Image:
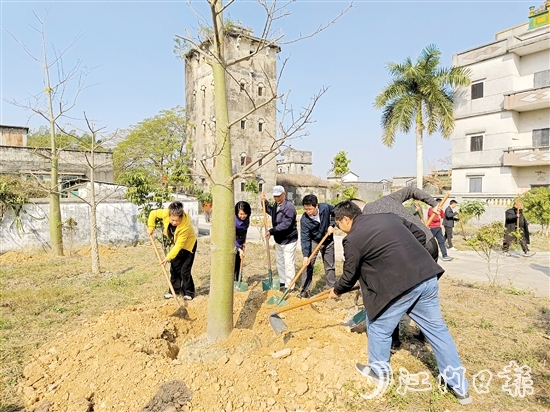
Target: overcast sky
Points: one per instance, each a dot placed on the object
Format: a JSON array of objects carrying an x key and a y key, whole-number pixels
[{"x": 129, "y": 45}]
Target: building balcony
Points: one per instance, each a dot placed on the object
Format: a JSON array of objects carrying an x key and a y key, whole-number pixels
[
  {"x": 526, "y": 156},
  {"x": 532, "y": 99}
]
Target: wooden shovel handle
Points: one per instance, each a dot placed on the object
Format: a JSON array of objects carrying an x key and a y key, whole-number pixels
[
  {"x": 310, "y": 256},
  {"x": 440, "y": 205},
  {"x": 320, "y": 296},
  {"x": 165, "y": 272}
]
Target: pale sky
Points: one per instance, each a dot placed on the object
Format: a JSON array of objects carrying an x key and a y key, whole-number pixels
[{"x": 129, "y": 45}]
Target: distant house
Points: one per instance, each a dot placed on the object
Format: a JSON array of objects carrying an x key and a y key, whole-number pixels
[
  {"x": 18, "y": 159},
  {"x": 345, "y": 178},
  {"x": 13, "y": 135},
  {"x": 295, "y": 162}
]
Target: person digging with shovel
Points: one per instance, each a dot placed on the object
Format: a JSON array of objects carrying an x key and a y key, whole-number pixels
[
  {"x": 397, "y": 275},
  {"x": 179, "y": 230},
  {"x": 315, "y": 222}
]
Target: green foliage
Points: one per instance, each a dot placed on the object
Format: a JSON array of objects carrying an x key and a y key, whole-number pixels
[
  {"x": 418, "y": 90},
  {"x": 14, "y": 194},
  {"x": 202, "y": 196},
  {"x": 350, "y": 192},
  {"x": 340, "y": 164},
  {"x": 251, "y": 186},
  {"x": 471, "y": 208},
  {"x": 158, "y": 149},
  {"x": 144, "y": 194},
  {"x": 486, "y": 240},
  {"x": 40, "y": 138},
  {"x": 536, "y": 206}
]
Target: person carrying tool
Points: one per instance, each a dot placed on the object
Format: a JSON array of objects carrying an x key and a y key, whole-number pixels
[
  {"x": 285, "y": 233},
  {"x": 314, "y": 223},
  {"x": 451, "y": 216},
  {"x": 397, "y": 275},
  {"x": 393, "y": 203},
  {"x": 514, "y": 220},
  {"x": 242, "y": 222},
  {"x": 435, "y": 228},
  {"x": 416, "y": 209},
  {"x": 179, "y": 230}
]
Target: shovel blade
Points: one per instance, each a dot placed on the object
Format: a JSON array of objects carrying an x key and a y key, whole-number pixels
[
  {"x": 271, "y": 284},
  {"x": 358, "y": 323},
  {"x": 276, "y": 300},
  {"x": 240, "y": 286},
  {"x": 277, "y": 323}
]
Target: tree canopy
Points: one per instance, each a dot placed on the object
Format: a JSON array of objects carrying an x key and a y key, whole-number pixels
[
  {"x": 421, "y": 94},
  {"x": 536, "y": 204},
  {"x": 157, "y": 147},
  {"x": 340, "y": 164}
]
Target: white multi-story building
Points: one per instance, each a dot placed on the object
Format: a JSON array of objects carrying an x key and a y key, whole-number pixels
[{"x": 502, "y": 120}]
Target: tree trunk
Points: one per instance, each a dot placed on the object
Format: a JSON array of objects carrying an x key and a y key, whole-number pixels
[
  {"x": 220, "y": 303},
  {"x": 419, "y": 150},
  {"x": 93, "y": 214},
  {"x": 56, "y": 225}
]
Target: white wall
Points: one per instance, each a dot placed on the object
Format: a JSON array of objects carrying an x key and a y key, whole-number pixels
[{"x": 116, "y": 221}]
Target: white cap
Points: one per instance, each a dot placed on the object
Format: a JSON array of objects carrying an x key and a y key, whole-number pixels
[{"x": 278, "y": 190}]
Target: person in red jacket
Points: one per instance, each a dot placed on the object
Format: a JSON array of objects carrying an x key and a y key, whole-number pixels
[{"x": 435, "y": 228}]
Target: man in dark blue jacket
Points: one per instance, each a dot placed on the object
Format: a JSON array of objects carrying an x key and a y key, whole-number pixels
[
  {"x": 397, "y": 275},
  {"x": 314, "y": 224},
  {"x": 285, "y": 233}
]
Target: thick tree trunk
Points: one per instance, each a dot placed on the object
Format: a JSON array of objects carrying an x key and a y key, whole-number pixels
[{"x": 220, "y": 304}]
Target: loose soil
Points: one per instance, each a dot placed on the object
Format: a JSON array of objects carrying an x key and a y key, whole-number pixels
[{"x": 152, "y": 356}]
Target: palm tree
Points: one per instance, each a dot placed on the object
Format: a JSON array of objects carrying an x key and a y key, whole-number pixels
[{"x": 420, "y": 93}]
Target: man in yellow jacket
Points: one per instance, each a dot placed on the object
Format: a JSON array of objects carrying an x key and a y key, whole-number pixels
[{"x": 178, "y": 228}]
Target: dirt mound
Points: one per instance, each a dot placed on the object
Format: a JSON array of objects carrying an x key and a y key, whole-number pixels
[{"x": 150, "y": 358}]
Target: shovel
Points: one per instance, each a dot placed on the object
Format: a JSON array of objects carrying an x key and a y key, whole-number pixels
[
  {"x": 240, "y": 286},
  {"x": 176, "y": 301},
  {"x": 269, "y": 284},
  {"x": 277, "y": 323},
  {"x": 358, "y": 323},
  {"x": 280, "y": 301}
]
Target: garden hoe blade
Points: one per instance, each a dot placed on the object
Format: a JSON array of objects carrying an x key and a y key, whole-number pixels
[
  {"x": 358, "y": 322},
  {"x": 277, "y": 323}
]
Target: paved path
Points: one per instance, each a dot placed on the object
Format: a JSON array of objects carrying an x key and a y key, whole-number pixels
[{"x": 531, "y": 274}]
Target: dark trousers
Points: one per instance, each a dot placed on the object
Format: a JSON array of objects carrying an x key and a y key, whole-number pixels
[
  {"x": 449, "y": 236},
  {"x": 438, "y": 234},
  {"x": 327, "y": 253},
  {"x": 180, "y": 272},
  {"x": 509, "y": 240},
  {"x": 237, "y": 266}
]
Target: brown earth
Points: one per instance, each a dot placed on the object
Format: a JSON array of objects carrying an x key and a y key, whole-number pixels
[{"x": 154, "y": 357}]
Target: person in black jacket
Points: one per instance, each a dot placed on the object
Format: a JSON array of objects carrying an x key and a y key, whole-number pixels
[
  {"x": 451, "y": 216},
  {"x": 314, "y": 224},
  {"x": 397, "y": 275},
  {"x": 514, "y": 220},
  {"x": 285, "y": 233}
]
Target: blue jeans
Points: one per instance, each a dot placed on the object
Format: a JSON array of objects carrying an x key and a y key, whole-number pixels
[
  {"x": 438, "y": 234},
  {"x": 421, "y": 303}
]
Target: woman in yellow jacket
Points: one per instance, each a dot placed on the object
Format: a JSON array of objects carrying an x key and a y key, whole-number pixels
[{"x": 177, "y": 226}]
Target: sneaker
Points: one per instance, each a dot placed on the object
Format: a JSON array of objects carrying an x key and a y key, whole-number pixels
[
  {"x": 368, "y": 373},
  {"x": 465, "y": 399},
  {"x": 187, "y": 297},
  {"x": 447, "y": 258},
  {"x": 168, "y": 296},
  {"x": 453, "y": 248},
  {"x": 507, "y": 254},
  {"x": 527, "y": 254}
]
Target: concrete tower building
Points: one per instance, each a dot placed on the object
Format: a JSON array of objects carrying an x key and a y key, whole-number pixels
[
  {"x": 500, "y": 141},
  {"x": 249, "y": 84}
]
